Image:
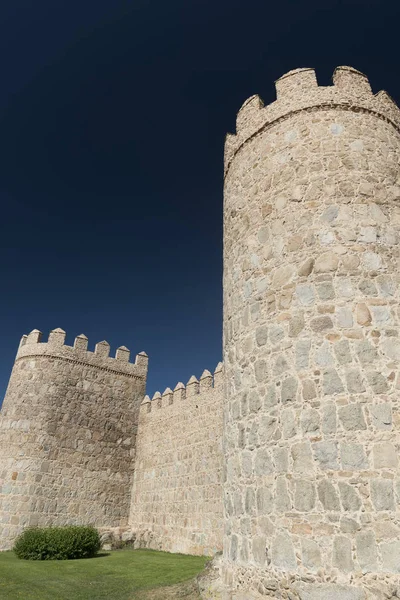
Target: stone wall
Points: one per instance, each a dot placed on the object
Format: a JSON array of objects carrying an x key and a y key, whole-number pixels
[
  {"x": 312, "y": 350},
  {"x": 67, "y": 435},
  {"x": 177, "y": 492}
]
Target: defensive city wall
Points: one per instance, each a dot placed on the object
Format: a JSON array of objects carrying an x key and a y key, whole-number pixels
[
  {"x": 177, "y": 492},
  {"x": 72, "y": 428},
  {"x": 288, "y": 456}
]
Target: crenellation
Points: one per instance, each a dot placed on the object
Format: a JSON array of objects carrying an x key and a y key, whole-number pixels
[
  {"x": 23, "y": 341},
  {"x": 122, "y": 353},
  {"x": 248, "y": 112},
  {"x": 146, "y": 404},
  {"x": 102, "y": 349},
  {"x": 34, "y": 337},
  {"x": 78, "y": 353},
  {"x": 56, "y": 337},
  {"x": 157, "y": 400},
  {"x": 179, "y": 392},
  {"x": 295, "y": 82},
  {"x": 219, "y": 375},
  {"x": 167, "y": 397},
  {"x": 351, "y": 81},
  {"x": 192, "y": 387},
  {"x": 81, "y": 343},
  {"x": 142, "y": 360},
  {"x": 206, "y": 381}
]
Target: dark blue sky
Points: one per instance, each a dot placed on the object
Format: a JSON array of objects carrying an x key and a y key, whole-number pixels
[{"x": 112, "y": 122}]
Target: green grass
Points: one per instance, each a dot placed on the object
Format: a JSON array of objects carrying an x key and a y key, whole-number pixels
[{"x": 111, "y": 576}]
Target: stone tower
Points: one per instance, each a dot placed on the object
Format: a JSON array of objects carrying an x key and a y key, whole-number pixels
[
  {"x": 67, "y": 435},
  {"x": 312, "y": 343}
]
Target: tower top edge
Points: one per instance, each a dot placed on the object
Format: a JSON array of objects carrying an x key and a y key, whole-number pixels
[
  {"x": 33, "y": 345},
  {"x": 298, "y": 91}
]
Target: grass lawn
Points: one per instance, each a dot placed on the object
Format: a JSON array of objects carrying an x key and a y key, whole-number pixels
[{"x": 112, "y": 575}]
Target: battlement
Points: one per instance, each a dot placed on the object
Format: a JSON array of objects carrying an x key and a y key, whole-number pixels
[
  {"x": 32, "y": 345},
  {"x": 194, "y": 387},
  {"x": 297, "y": 91}
]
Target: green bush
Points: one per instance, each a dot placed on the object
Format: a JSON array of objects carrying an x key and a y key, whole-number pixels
[{"x": 57, "y": 543}]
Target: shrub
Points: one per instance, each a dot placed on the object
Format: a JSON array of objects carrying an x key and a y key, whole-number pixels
[{"x": 57, "y": 543}]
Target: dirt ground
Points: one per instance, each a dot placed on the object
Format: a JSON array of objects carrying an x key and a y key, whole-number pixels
[{"x": 180, "y": 591}]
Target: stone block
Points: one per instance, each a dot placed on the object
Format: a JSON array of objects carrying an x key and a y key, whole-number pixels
[
  {"x": 309, "y": 421},
  {"x": 328, "y": 495},
  {"x": 363, "y": 314},
  {"x": 276, "y": 333},
  {"x": 391, "y": 347},
  {"x": 342, "y": 352},
  {"x": 329, "y": 418},
  {"x": 289, "y": 390},
  {"x": 323, "y": 356},
  {"x": 281, "y": 365},
  {"x": 326, "y": 262},
  {"x": 259, "y": 544},
  {"x": 325, "y": 291},
  {"x": 264, "y": 500},
  {"x": 296, "y": 325},
  {"x": 306, "y": 268},
  {"x": 378, "y": 382},
  {"x": 367, "y": 554},
  {"x": 354, "y": 381},
  {"x": 390, "y": 553},
  {"x": 254, "y": 401},
  {"x": 302, "y": 354},
  {"x": 289, "y": 427},
  {"x": 382, "y": 494},
  {"x": 260, "y": 369},
  {"x": 302, "y": 458},
  {"x": 263, "y": 463},
  {"x": 381, "y": 415},
  {"x": 305, "y": 295},
  {"x": 344, "y": 317},
  {"x": 268, "y": 428},
  {"x": 352, "y": 417},
  {"x": 233, "y": 547},
  {"x": 311, "y": 554},
  {"x": 349, "y": 497},
  {"x": 321, "y": 324},
  {"x": 261, "y": 335},
  {"x": 385, "y": 456},
  {"x": 349, "y": 525},
  {"x": 282, "y": 552},
  {"x": 281, "y": 459},
  {"x": 270, "y": 398},
  {"x": 332, "y": 383},
  {"x": 309, "y": 391},
  {"x": 341, "y": 554},
  {"x": 282, "y": 499},
  {"x": 326, "y": 453},
  {"x": 304, "y": 495},
  {"x": 353, "y": 456},
  {"x": 366, "y": 352}
]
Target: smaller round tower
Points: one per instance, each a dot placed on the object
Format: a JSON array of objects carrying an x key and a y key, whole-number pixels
[{"x": 68, "y": 427}]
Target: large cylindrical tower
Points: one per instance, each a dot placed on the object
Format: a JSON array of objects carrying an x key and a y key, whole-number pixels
[{"x": 312, "y": 343}]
